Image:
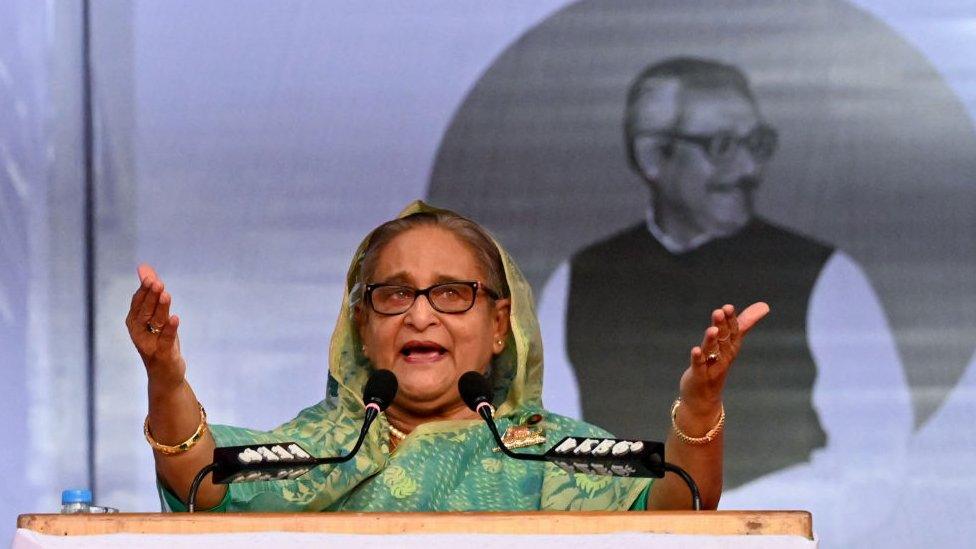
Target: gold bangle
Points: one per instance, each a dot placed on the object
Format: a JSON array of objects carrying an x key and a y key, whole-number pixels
[
  {"x": 183, "y": 446},
  {"x": 695, "y": 441}
]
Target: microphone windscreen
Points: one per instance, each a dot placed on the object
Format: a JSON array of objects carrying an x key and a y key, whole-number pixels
[
  {"x": 474, "y": 389},
  {"x": 380, "y": 388}
]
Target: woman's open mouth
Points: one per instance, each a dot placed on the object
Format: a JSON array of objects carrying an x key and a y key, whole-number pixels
[{"x": 422, "y": 351}]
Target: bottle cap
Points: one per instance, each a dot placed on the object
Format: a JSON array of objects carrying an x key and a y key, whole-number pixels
[{"x": 76, "y": 496}]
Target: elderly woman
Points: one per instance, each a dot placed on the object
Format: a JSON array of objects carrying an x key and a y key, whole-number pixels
[{"x": 430, "y": 296}]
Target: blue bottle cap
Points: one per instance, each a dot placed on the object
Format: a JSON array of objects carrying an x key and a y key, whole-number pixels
[{"x": 76, "y": 496}]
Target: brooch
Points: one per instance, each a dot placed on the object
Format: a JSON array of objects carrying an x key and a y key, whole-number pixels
[{"x": 522, "y": 436}]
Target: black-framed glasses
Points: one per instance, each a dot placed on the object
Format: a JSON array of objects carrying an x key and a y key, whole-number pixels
[
  {"x": 722, "y": 147},
  {"x": 447, "y": 297}
]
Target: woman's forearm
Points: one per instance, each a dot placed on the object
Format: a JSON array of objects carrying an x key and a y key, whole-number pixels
[
  {"x": 702, "y": 461},
  {"x": 174, "y": 415},
  {"x": 700, "y": 410}
]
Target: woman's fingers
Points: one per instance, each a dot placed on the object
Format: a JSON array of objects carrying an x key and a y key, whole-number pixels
[
  {"x": 708, "y": 354},
  {"x": 154, "y": 330},
  {"x": 752, "y": 315},
  {"x": 148, "y": 306},
  {"x": 709, "y": 342},
  {"x": 729, "y": 331},
  {"x": 710, "y": 361},
  {"x": 144, "y": 270},
  {"x": 137, "y": 299},
  {"x": 716, "y": 336},
  {"x": 167, "y": 338},
  {"x": 718, "y": 346},
  {"x": 160, "y": 316},
  {"x": 153, "y": 289},
  {"x": 728, "y": 338},
  {"x": 143, "y": 307},
  {"x": 732, "y": 321},
  {"x": 149, "y": 282},
  {"x": 166, "y": 365},
  {"x": 698, "y": 362},
  {"x": 720, "y": 319}
]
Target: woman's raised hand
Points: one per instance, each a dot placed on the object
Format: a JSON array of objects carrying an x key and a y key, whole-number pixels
[
  {"x": 174, "y": 412},
  {"x": 153, "y": 329},
  {"x": 696, "y": 442},
  {"x": 703, "y": 381}
]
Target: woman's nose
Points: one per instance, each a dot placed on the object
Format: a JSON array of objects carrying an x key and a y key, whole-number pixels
[{"x": 421, "y": 314}]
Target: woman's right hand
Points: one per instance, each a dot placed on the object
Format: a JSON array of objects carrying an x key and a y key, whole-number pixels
[
  {"x": 159, "y": 346},
  {"x": 174, "y": 412}
]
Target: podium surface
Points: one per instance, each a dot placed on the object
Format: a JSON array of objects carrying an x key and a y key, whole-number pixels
[
  {"x": 783, "y": 523},
  {"x": 536, "y": 530}
]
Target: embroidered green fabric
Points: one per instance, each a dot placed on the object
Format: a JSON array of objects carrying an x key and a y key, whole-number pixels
[{"x": 440, "y": 466}]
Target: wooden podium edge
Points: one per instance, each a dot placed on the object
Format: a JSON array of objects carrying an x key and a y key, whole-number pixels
[{"x": 783, "y": 523}]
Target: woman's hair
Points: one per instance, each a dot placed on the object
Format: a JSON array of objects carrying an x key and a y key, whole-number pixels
[{"x": 477, "y": 238}]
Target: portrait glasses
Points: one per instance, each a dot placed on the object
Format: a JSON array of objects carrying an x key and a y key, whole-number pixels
[
  {"x": 722, "y": 147},
  {"x": 447, "y": 297}
]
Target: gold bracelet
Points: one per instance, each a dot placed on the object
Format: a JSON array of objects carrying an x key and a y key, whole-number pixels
[
  {"x": 183, "y": 446},
  {"x": 695, "y": 441}
]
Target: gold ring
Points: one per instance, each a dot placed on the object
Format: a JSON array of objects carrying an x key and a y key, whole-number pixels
[
  {"x": 711, "y": 359},
  {"x": 153, "y": 329}
]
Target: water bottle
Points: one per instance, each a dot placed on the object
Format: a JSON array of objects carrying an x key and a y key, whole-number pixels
[
  {"x": 80, "y": 501},
  {"x": 76, "y": 501}
]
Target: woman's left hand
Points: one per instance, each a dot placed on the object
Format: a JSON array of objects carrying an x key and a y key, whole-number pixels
[{"x": 703, "y": 381}]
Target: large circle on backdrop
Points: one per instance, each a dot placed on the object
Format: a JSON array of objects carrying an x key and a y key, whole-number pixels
[{"x": 876, "y": 156}]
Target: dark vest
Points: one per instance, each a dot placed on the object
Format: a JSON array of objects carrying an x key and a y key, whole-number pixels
[{"x": 635, "y": 311}]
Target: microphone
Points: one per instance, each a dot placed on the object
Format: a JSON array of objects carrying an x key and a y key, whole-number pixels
[
  {"x": 381, "y": 388},
  {"x": 476, "y": 393},
  {"x": 589, "y": 455},
  {"x": 289, "y": 460}
]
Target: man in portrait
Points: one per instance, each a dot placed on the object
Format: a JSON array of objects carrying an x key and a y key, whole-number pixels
[{"x": 616, "y": 315}]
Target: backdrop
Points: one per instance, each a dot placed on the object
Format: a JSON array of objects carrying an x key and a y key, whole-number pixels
[{"x": 244, "y": 149}]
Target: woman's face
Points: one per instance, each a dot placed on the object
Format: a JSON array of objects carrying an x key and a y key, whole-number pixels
[{"x": 426, "y": 349}]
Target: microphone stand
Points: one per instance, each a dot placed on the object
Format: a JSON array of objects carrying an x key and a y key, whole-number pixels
[
  {"x": 486, "y": 411},
  {"x": 195, "y": 486},
  {"x": 692, "y": 485},
  {"x": 372, "y": 410}
]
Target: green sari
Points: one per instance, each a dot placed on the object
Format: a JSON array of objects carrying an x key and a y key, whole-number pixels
[{"x": 440, "y": 466}]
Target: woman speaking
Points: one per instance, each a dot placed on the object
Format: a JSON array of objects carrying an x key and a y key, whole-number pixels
[{"x": 429, "y": 297}]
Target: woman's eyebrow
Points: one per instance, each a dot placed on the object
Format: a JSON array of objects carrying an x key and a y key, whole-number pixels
[
  {"x": 404, "y": 278},
  {"x": 442, "y": 278},
  {"x": 400, "y": 278}
]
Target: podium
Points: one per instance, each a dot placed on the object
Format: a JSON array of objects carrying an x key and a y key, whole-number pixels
[{"x": 536, "y": 530}]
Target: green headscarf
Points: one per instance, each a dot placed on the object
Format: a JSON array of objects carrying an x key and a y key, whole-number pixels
[{"x": 442, "y": 465}]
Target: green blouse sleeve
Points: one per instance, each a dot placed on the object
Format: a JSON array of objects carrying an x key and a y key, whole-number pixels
[
  {"x": 315, "y": 430},
  {"x": 172, "y": 504},
  {"x": 640, "y": 504}
]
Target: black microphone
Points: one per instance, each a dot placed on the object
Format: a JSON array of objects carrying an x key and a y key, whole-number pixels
[
  {"x": 381, "y": 388},
  {"x": 476, "y": 392},
  {"x": 589, "y": 455},
  {"x": 289, "y": 460}
]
